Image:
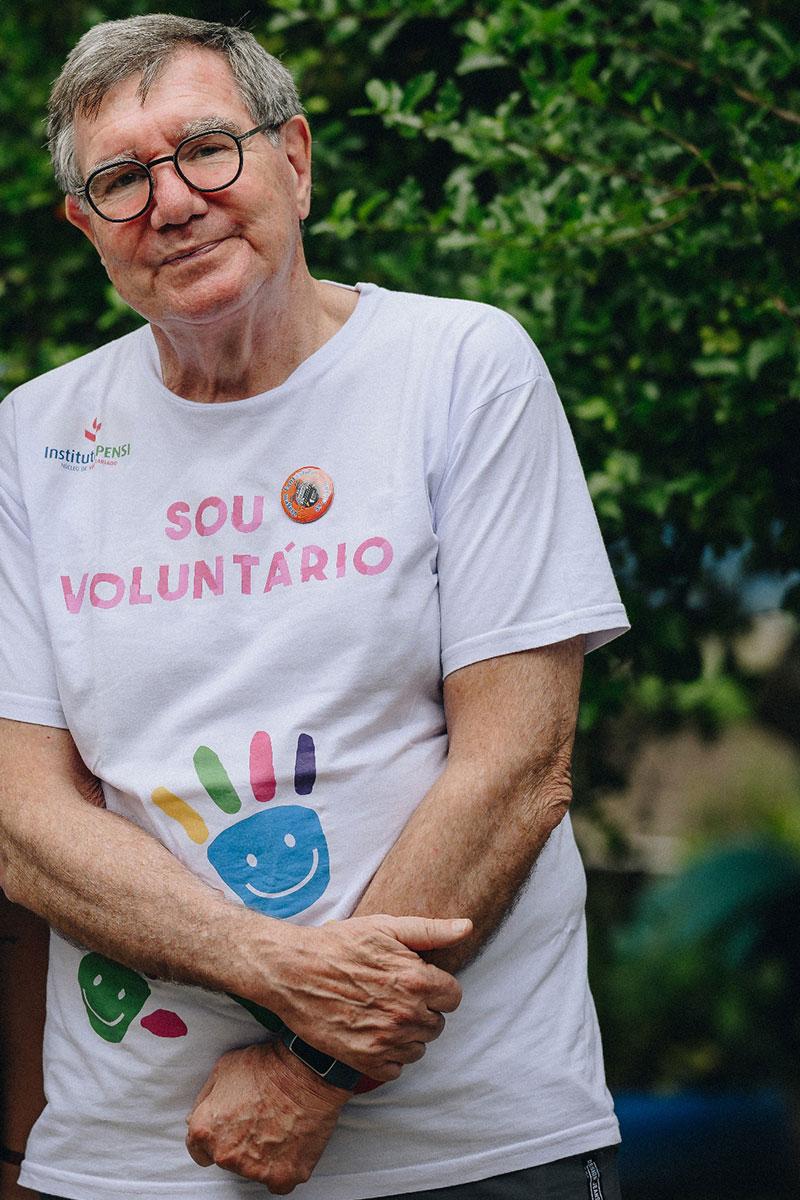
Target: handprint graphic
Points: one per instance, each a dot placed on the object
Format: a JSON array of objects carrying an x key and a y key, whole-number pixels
[{"x": 276, "y": 860}]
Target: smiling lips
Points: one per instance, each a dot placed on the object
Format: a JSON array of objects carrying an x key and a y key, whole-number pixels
[{"x": 191, "y": 253}]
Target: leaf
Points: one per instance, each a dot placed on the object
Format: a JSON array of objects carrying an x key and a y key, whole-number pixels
[
  {"x": 378, "y": 93},
  {"x": 762, "y": 351},
  {"x": 417, "y": 89},
  {"x": 666, "y": 12},
  {"x": 480, "y": 60},
  {"x": 597, "y": 408},
  {"x": 380, "y": 40},
  {"x": 774, "y": 33},
  {"x": 717, "y": 366},
  {"x": 477, "y": 32},
  {"x": 343, "y": 203}
]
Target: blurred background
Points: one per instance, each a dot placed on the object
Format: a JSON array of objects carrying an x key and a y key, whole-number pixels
[{"x": 623, "y": 178}]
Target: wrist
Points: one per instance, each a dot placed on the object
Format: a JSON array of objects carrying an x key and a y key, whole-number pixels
[
  {"x": 260, "y": 950},
  {"x": 324, "y": 1066},
  {"x": 305, "y": 1084}
]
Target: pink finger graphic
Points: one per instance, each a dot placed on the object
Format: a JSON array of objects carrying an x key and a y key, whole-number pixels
[{"x": 262, "y": 770}]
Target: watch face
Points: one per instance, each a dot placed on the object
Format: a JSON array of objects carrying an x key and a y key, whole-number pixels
[{"x": 315, "y": 1059}]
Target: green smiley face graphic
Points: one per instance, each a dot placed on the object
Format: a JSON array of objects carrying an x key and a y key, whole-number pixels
[{"x": 112, "y": 994}]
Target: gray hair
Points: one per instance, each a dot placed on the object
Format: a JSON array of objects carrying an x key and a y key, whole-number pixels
[{"x": 115, "y": 50}]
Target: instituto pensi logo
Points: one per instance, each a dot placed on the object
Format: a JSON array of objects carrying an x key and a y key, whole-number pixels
[{"x": 97, "y": 453}]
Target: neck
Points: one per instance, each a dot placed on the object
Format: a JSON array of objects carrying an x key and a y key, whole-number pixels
[{"x": 252, "y": 349}]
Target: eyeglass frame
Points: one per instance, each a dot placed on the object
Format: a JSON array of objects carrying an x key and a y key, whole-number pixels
[{"x": 83, "y": 193}]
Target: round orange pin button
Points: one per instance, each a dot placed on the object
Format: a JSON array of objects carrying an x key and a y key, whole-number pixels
[{"x": 307, "y": 494}]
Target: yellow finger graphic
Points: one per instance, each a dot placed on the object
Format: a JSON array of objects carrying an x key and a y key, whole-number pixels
[{"x": 181, "y": 812}]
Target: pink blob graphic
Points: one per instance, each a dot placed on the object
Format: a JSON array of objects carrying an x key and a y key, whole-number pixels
[
  {"x": 163, "y": 1023},
  {"x": 262, "y": 771}
]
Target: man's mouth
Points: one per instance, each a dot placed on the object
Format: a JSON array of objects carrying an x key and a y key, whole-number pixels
[{"x": 190, "y": 253}]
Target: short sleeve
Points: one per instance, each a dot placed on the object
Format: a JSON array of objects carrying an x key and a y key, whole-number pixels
[
  {"x": 28, "y": 686},
  {"x": 521, "y": 561}
]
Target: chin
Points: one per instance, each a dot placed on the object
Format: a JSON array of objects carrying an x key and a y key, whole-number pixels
[{"x": 202, "y": 307}]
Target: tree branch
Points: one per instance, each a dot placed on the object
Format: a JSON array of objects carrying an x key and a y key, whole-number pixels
[
  {"x": 722, "y": 185},
  {"x": 671, "y": 136},
  {"x": 610, "y": 169},
  {"x": 685, "y": 64},
  {"x": 629, "y": 235}
]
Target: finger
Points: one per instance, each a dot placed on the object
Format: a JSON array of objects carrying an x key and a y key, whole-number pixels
[
  {"x": 198, "y": 1152},
  {"x": 384, "y": 1072},
  {"x": 205, "y": 1091},
  {"x": 425, "y": 1028},
  {"x": 409, "y": 1052},
  {"x": 440, "y": 991},
  {"x": 418, "y": 1049},
  {"x": 434, "y": 1028},
  {"x": 429, "y": 933}
]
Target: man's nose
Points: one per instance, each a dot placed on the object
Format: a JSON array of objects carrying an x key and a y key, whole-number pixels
[{"x": 174, "y": 202}]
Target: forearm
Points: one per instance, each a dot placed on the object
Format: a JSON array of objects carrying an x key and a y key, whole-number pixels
[
  {"x": 355, "y": 987},
  {"x": 467, "y": 850},
  {"x": 471, "y": 844},
  {"x": 110, "y": 886}
]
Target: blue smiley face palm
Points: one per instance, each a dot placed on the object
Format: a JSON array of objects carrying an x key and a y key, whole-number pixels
[{"x": 276, "y": 860}]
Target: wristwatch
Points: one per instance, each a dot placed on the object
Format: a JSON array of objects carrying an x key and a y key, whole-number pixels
[{"x": 329, "y": 1069}]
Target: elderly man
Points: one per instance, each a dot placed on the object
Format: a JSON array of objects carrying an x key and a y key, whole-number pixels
[{"x": 297, "y": 583}]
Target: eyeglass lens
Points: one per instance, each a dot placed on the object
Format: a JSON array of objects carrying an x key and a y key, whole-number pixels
[{"x": 208, "y": 162}]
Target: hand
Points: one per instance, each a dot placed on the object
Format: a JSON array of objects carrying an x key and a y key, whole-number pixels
[
  {"x": 265, "y": 1116},
  {"x": 355, "y": 989}
]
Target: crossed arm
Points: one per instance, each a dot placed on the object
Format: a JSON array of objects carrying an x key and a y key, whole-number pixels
[
  {"x": 466, "y": 851},
  {"x": 355, "y": 986},
  {"x": 468, "y": 848},
  {"x": 473, "y": 840}
]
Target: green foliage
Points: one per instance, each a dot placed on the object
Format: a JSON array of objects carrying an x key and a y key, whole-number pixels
[
  {"x": 623, "y": 178},
  {"x": 701, "y": 986}
]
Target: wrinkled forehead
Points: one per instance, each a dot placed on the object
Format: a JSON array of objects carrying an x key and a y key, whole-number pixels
[{"x": 192, "y": 87}]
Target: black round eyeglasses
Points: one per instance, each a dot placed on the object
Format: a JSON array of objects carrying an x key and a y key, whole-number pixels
[{"x": 207, "y": 162}]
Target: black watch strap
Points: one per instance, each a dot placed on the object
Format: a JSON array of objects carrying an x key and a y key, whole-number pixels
[{"x": 329, "y": 1069}]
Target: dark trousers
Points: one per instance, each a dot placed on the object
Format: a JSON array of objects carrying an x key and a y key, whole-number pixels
[{"x": 589, "y": 1176}]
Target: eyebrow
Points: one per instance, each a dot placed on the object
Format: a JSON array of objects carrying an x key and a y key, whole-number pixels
[
  {"x": 204, "y": 124},
  {"x": 188, "y": 129}
]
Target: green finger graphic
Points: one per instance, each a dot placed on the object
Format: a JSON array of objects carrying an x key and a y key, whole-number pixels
[{"x": 214, "y": 779}]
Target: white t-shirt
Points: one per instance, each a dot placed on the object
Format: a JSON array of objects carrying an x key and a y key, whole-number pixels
[{"x": 263, "y": 695}]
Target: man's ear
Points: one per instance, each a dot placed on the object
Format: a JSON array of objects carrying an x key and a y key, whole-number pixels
[
  {"x": 296, "y": 138},
  {"x": 79, "y": 217}
]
